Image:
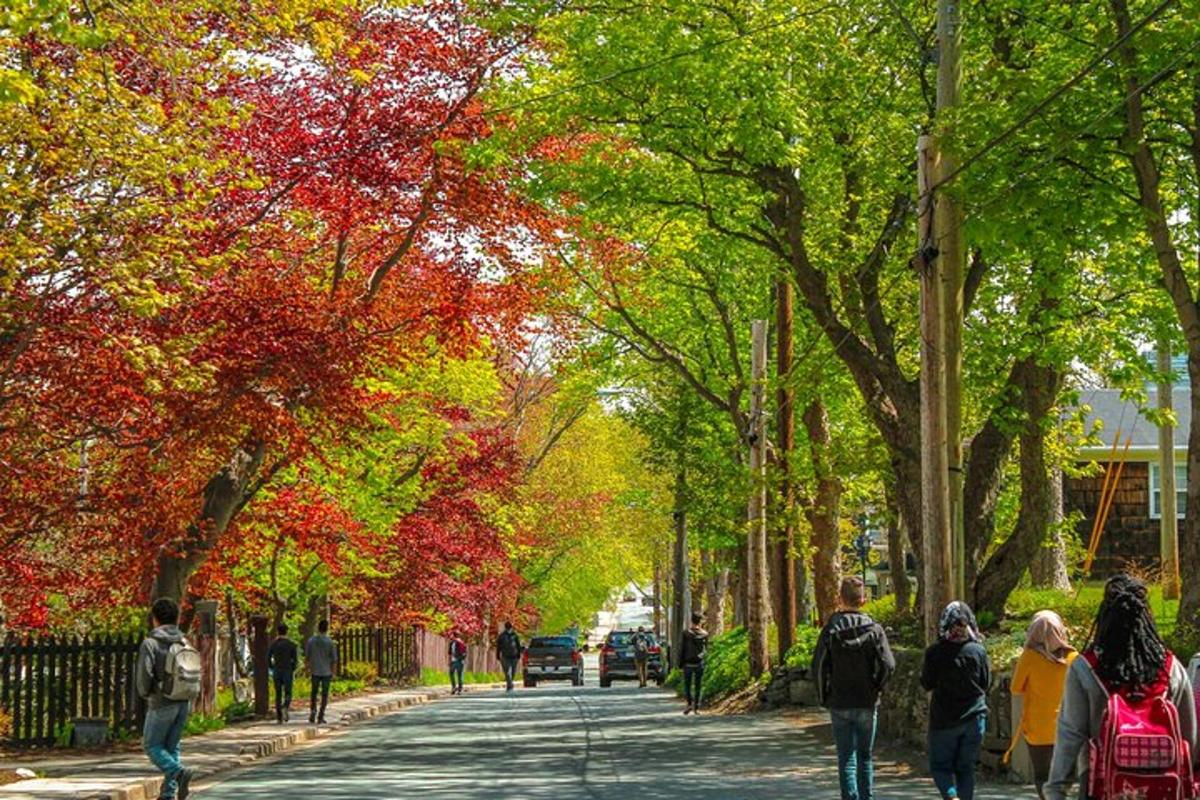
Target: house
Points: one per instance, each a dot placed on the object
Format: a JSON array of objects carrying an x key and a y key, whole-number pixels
[{"x": 1132, "y": 532}]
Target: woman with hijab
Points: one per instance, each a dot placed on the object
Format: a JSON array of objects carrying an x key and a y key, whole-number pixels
[
  {"x": 957, "y": 672},
  {"x": 1038, "y": 678},
  {"x": 1124, "y": 655}
]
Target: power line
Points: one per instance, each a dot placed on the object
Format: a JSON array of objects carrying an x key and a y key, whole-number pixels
[{"x": 1049, "y": 99}]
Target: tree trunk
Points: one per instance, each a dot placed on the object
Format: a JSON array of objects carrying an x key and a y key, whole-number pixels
[
  {"x": 224, "y": 496},
  {"x": 823, "y": 513},
  {"x": 716, "y": 589},
  {"x": 737, "y": 590},
  {"x": 803, "y": 580},
  {"x": 1049, "y": 569},
  {"x": 785, "y": 436},
  {"x": 313, "y": 612},
  {"x": 1003, "y": 571},
  {"x": 896, "y": 554},
  {"x": 1155, "y": 216}
]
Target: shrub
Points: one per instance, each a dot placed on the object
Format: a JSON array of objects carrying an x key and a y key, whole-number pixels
[
  {"x": 235, "y": 712},
  {"x": 203, "y": 723},
  {"x": 801, "y": 652},
  {"x": 363, "y": 671},
  {"x": 434, "y": 677},
  {"x": 727, "y": 665}
]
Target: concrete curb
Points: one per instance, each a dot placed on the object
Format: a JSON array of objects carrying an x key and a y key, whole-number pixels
[{"x": 247, "y": 753}]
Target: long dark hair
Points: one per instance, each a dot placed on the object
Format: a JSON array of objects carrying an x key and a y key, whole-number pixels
[{"x": 1128, "y": 648}]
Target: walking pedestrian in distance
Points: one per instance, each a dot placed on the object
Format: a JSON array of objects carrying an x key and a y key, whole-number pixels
[
  {"x": 508, "y": 648},
  {"x": 641, "y": 654},
  {"x": 852, "y": 663},
  {"x": 321, "y": 654},
  {"x": 1125, "y": 664},
  {"x": 284, "y": 657},
  {"x": 458, "y": 661},
  {"x": 692, "y": 652},
  {"x": 1038, "y": 679},
  {"x": 957, "y": 672},
  {"x": 168, "y": 679}
]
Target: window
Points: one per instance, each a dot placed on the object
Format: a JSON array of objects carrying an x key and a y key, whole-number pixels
[{"x": 1180, "y": 491}]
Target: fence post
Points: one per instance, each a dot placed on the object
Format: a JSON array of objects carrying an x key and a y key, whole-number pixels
[
  {"x": 206, "y": 644},
  {"x": 379, "y": 661},
  {"x": 262, "y": 698}
]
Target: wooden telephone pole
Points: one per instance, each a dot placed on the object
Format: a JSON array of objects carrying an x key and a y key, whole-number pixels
[
  {"x": 941, "y": 252},
  {"x": 785, "y": 435},
  {"x": 756, "y": 545},
  {"x": 951, "y": 248},
  {"x": 937, "y": 580}
]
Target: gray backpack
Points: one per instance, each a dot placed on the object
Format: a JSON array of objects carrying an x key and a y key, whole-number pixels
[{"x": 179, "y": 671}]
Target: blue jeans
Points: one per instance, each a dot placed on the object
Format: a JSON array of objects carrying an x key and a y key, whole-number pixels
[
  {"x": 160, "y": 739},
  {"x": 510, "y": 670},
  {"x": 456, "y": 673},
  {"x": 854, "y": 733},
  {"x": 953, "y": 753},
  {"x": 693, "y": 675}
]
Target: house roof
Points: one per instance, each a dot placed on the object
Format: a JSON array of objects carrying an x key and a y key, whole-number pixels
[{"x": 1106, "y": 407}]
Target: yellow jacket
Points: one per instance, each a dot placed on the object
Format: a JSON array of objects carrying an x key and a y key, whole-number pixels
[{"x": 1040, "y": 682}]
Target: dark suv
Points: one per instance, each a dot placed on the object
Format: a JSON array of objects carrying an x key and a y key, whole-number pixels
[{"x": 616, "y": 658}]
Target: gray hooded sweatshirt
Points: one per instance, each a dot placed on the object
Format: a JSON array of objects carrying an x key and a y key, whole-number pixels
[
  {"x": 1081, "y": 714},
  {"x": 149, "y": 659}
]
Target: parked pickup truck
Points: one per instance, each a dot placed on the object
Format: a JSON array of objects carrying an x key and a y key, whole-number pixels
[{"x": 552, "y": 658}]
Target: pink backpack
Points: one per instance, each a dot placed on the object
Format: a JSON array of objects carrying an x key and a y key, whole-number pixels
[{"x": 1141, "y": 753}]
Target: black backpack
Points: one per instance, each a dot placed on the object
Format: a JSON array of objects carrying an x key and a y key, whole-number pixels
[{"x": 510, "y": 645}]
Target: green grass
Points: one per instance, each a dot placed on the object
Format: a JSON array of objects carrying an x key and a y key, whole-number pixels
[{"x": 439, "y": 677}]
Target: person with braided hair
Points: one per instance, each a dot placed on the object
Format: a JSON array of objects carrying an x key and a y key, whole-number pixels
[{"x": 1124, "y": 652}]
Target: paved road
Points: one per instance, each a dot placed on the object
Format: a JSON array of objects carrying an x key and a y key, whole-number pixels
[{"x": 560, "y": 742}]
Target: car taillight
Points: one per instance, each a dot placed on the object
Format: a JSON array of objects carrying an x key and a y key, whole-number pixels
[
  {"x": 655, "y": 649},
  {"x": 576, "y": 657},
  {"x": 525, "y": 659}
]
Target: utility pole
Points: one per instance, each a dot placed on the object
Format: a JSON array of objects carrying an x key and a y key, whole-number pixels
[
  {"x": 1166, "y": 479},
  {"x": 756, "y": 546},
  {"x": 785, "y": 436},
  {"x": 951, "y": 249},
  {"x": 937, "y": 581}
]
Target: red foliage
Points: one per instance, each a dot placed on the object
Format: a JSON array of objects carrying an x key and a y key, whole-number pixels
[{"x": 366, "y": 234}]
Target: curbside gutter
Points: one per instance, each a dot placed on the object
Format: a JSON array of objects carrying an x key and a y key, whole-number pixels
[{"x": 236, "y": 752}]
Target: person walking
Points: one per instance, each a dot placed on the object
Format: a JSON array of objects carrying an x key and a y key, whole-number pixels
[
  {"x": 641, "y": 654},
  {"x": 1125, "y": 657},
  {"x": 957, "y": 672},
  {"x": 508, "y": 648},
  {"x": 458, "y": 662},
  {"x": 168, "y": 679},
  {"x": 852, "y": 662},
  {"x": 321, "y": 654},
  {"x": 284, "y": 657},
  {"x": 1038, "y": 679},
  {"x": 692, "y": 652}
]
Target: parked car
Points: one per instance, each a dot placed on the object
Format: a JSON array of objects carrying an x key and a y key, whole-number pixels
[
  {"x": 552, "y": 658},
  {"x": 616, "y": 659},
  {"x": 629, "y": 597}
]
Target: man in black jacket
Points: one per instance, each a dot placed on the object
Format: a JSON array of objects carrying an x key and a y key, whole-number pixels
[
  {"x": 851, "y": 665},
  {"x": 284, "y": 657}
]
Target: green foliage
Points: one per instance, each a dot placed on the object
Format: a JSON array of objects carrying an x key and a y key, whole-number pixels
[
  {"x": 805, "y": 645},
  {"x": 363, "y": 671},
  {"x": 440, "y": 677},
  {"x": 236, "y": 712},
  {"x": 198, "y": 724},
  {"x": 63, "y": 734}
]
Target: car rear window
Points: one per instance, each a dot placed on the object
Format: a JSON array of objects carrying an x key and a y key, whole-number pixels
[
  {"x": 552, "y": 641},
  {"x": 625, "y": 638}
]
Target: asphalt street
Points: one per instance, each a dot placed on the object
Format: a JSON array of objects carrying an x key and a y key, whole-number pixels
[{"x": 556, "y": 741}]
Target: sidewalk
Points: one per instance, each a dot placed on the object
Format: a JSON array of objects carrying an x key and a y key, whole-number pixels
[{"x": 129, "y": 776}]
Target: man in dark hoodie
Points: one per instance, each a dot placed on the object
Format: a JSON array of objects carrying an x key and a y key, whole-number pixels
[
  {"x": 165, "y": 718},
  {"x": 692, "y": 652},
  {"x": 852, "y": 663}
]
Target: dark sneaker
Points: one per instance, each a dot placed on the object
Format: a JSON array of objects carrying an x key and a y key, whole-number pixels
[
  {"x": 687, "y": 711},
  {"x": 183, "y": 781}
]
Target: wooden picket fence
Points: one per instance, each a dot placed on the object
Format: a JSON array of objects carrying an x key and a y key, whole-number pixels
[
  {"x": 393, "y": 651},
  {"x": 47, "y": 682}
]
